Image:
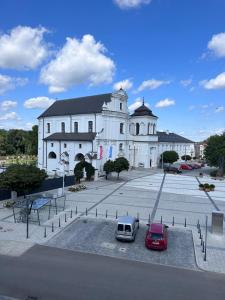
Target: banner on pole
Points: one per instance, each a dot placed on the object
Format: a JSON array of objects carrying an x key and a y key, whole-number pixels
[{"x": 110, "y": 152}]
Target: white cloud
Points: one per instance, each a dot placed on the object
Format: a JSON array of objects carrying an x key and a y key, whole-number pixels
[
  {"x": 23, "y": 48},
  {"x": 9, "y": 116},
  {"x": 126, "y": 4},
  {"x": 165, "y": 103},
  {"x": 28, "y": 126},
  {"x": 151, "y": 84},
  {"x": 186, "y": 82},
  {"x": 79, "y": 61},
  {"x": 9, "y": 83},
  {"x": 191, "y": 107},
  {"x": 137, "y": 103},
  {"x": 217, "y": 44},
  {"x": 205, "y": 133},
  {"x": 8, "y": 104},
  {"x": 126, "y": 84},
  {"x": 219, "y": 109},
  {"x": 39, "y": 102},
  {"x": 205, "y": 106},
  {"x": 215, "y": 83}
]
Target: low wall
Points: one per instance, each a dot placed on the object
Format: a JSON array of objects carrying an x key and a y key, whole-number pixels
[{"x": 48, "y": 184}]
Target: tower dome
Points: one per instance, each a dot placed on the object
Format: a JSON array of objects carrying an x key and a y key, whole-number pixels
[{"x": 143, "y": 110}]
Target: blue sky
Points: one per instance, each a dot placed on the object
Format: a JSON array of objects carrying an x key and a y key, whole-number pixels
[{"x": 170, "y": 52}]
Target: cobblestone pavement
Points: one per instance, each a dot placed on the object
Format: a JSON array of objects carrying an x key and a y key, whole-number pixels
[{"x": 97, "y": 236}]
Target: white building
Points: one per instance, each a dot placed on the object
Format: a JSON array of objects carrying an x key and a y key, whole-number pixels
[{"x": 100, "y": 128}]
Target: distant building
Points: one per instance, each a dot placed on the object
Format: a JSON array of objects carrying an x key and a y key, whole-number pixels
[
  {"x": 99, "y": 128},
  {"x": 199, "y": 149}
]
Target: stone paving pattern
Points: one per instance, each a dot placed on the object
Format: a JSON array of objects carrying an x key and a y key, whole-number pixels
[{"x": 97, "y": 236}]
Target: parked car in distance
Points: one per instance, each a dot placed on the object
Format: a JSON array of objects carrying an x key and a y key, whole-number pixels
[
  {"x": 197, "y": 165},
  {"x": 185, "y": 167},
  {"x": 156, "y": 236},
  {"x": 126, "y": 228},
  {"x": 172, "y": 169}
]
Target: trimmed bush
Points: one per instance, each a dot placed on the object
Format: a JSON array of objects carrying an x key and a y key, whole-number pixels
[
  {"x": 186, "y": 157},
  {"x": 201, "y": 186},
  {"x": 212, "y": 187},
  {"x": 108, "y": 168},
  {"x": 213, "y": 173}
]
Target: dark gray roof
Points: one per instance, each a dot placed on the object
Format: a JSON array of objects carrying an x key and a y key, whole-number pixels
[
  {"x": 81, "y": 136},
  {"x": 83, "y": 105},
  {"x": 143, "y": 111},
  {"x": 171, "y": 138}
]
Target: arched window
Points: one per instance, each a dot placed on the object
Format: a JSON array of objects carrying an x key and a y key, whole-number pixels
[
  {"x": 154, "y": 131},
  {"x": 79, "y": 156},
  {"x": 148, "y": 128},
  {"x": 137, "y": 128},
  {"x": 52, "y": 155}
]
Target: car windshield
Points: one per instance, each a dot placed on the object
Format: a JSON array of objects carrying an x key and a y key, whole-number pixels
[
  {"x": 156, "y": 236},
  {"x": 120, "y": 227},
  {"x": 127, "y": 228}
]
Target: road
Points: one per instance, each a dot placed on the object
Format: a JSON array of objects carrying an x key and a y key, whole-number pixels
[{"x": 50, "y": 273}]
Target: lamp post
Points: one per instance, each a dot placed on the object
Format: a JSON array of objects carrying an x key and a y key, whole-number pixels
[
  {"x": 63, "y": 163},
  {"x": 162, "y": 157},
  {"x": 134, "y": 156}
]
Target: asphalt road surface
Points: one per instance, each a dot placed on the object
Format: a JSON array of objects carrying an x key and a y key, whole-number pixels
[{"x": 50, "y": 273}]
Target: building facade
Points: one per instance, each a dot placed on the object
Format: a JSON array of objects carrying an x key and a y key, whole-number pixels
[{"x": 99, "y": 128}]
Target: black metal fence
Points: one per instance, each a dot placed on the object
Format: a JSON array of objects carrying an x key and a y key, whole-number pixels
[{"x": 48, "y": 184}]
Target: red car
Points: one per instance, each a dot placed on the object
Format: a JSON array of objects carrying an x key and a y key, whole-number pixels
[
  {"x": 156, "y": 236},
  {"x": 185, "y": 167}
]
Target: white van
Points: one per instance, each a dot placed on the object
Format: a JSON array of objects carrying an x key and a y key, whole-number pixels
[{"x": 126, "y": 228}]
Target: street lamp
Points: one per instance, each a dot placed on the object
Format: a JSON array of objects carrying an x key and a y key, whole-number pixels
[
  {"x": 63, "y": 162},
  {"x": 162, "y": 156}
]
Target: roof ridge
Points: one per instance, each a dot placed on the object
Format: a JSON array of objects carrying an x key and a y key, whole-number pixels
[{"x": 104, "y": 94}]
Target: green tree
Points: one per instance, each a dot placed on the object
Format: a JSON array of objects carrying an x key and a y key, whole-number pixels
[
  {"x": 90, "y": 170},
  {"x": 186, "y": 157},
  {"x": 78, "y": 171},
  {"x": 3, "y": 147},
  {"x": 215, "y": 152},
  {"x": 169, "y": 157},
  {"x": 121, "y": 164},
  {"x": 32, "y": 141},
  {"x": 108, "y": 168},
  {"x": 22, "y": 178}
]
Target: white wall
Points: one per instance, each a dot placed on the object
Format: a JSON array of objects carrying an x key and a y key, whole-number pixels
[{"x": 136, "y": 148}]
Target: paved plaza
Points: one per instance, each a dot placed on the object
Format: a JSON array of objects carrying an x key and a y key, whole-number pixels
[
  {"x": 97, "y": 236},
  {"x": 174, "y": 199}
]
